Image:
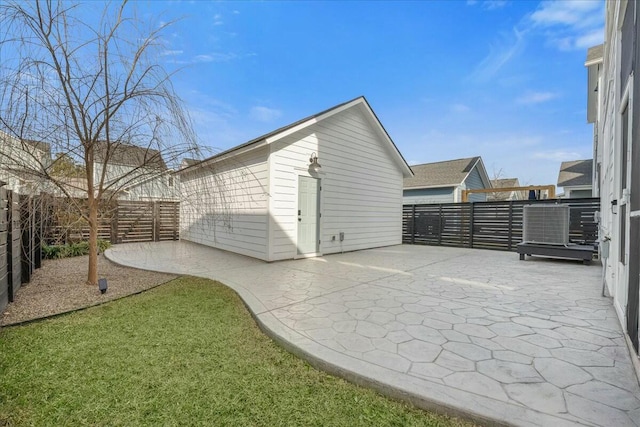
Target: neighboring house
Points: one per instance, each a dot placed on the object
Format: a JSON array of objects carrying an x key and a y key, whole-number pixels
[
  {"x": 22, "y": 164},
  {"x": 576, "y": 178},
  {"x": 613, "y": 107},
  {"x": 506, "y": 195},
  {"x": 328, "y": 183},
  {"x": 135, "y": 173},
  {"x": 443, "y": 182}
]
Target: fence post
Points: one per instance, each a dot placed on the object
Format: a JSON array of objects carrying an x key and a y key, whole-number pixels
[
  {"x": 155, "y": 233},
  {"x": 10, "y": 237},
  {"x": 510, "y": 241},
  {"x": 14, "y": 260},
  {"x": 471, "y": 224},
  {"x": 26, "y": 231},
  {"x": 37, "y": 235},
  {"x": 176, "y": 219},
  {"x": 5, "y": 294},
  {"x": 114, "y": 225},
  {"x": 413, "y": 224},
  {"x": 440, "y": 224}
]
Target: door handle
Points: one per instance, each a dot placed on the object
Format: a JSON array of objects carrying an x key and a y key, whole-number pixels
[{"x": 299, "y": 219}]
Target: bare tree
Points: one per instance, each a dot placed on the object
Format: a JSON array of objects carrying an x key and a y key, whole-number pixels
[{"x": 89, "y": 91}]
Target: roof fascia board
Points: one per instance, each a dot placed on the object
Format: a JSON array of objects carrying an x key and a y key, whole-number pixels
[
  {"x": 595, "y": 61},
  {"x": 484, "y": 175},
  {"x": 312, "y": 121},
  {"x": 406, "y": 169},
  {"x": 577, "y": 187},
  {"x": 223, "y": 156},
  {"x": 470, "y": 170},
  {"x": 425, "y": 187}
]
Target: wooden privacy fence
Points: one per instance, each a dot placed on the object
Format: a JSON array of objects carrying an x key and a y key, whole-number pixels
[
  {"x": 21, "y": 226},
  {"x": 119, "y": 222},
  {"x": 489, "y": 225}
]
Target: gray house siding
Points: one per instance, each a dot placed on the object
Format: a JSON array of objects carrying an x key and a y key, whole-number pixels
[
  {"x": 473, "y": 182},
  {"x": 579, "y": 194},
  {"x": 428, "y": 195}
]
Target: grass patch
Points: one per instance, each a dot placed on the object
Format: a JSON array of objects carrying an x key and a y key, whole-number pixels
[{"x": 186, "y": 353}]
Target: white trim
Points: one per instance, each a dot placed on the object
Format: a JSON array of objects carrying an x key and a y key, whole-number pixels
[
  {"x": 312, "y": 255},
  {"x": 394, "y": 152},
  {"x": 425, "y": 187},
  {"x": 297, "y": 255},
  {"x": 312, "y": 121},
  {"x": 270, "y": 219},
  {"x": 596, "y": 61},
  {"x": 406, "y": 170},
  {"x": 222, "y": 156}
]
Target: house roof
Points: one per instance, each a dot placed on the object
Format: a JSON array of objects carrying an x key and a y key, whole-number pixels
[
  {"x": 575, "y": 173},
  {"x": 449, "y": 173},
  {"x": 129, "y": 155},
  {"x": 189, "y": 162},
  {"x": 307, "y": 121},
  {"x": 39, "y": 145},
  {"x": 505, "y": 182}
]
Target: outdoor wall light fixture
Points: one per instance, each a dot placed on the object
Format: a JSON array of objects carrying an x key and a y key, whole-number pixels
[
  {"x": 102, "y": 285},
  {"x": 314, "y": 166}
]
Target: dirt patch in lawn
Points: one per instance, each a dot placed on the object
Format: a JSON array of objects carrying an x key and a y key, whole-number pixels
[{"x": 59, "y": 286}]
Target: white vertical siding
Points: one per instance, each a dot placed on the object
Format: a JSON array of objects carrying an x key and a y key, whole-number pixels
[
  {"x": 361, "y": 185},
  {"x": 609, "y": 140},
  {"x": 225, "y": 205}
]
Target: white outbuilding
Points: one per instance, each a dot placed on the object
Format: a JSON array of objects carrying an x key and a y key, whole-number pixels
[{"x": 328, "y": 183}]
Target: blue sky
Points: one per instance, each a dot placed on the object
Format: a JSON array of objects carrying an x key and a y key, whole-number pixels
[{"x": 501, "y": 79}]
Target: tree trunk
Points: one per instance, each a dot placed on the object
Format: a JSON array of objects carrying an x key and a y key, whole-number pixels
[{"x": 92, "y": 278}]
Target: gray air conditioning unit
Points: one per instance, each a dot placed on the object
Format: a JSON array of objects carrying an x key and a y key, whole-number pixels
[{"x": 547, "y": 223}]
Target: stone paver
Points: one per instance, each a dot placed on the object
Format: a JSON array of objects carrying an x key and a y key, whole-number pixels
[{"x": 524, "y": 343}]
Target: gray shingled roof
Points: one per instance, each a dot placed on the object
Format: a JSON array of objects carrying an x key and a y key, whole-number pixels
[
  {"x": 130, "y": 155},
  {"x": 39, "y": 145},
  {"x": 441, "y": 174},
  {"x": 576, "y": 172}
]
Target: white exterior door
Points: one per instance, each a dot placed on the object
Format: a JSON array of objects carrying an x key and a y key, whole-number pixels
[{"x": 308, "y": 215}]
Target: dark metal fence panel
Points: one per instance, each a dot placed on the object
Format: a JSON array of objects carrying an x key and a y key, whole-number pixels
[
  {"x": 14, "y": 246},
  {"x": 4, "y": 282},
  {"x": 489, "y": 225},
  {"x": 28, "y": 233},
  {"x": 495, "y": 225}
]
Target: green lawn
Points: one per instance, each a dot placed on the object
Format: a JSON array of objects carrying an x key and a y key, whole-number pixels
[{"x": 186, "y": 353}]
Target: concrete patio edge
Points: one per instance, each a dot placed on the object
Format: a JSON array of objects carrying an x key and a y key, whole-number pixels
[{"x": 423, "y": 394}]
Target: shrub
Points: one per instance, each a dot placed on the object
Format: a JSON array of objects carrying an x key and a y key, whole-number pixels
[
  {"x": 51, "y": 251},
  {"x": 72, "y": 249}
]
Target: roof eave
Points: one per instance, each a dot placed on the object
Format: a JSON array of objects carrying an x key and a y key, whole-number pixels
[
  {"x": 278, "y": 134},
  {"x": 420, "y": 187}
]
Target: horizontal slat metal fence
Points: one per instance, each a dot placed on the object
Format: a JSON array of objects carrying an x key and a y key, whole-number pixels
[
  {"x": 21, "y": 219},
  {"x": 489, "y": 225}
]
